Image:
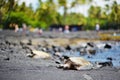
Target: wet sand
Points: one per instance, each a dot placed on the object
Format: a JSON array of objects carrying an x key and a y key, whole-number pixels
[{"x": 15, "y": 65}]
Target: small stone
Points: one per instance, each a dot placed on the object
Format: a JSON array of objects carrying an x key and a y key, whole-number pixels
[
  {"x": 108, "y": 46},
  {"x": 87, "y": 77},
  {"x": 109, "y": 58},
  {"x": 68, "y": 47},
  {"x": 7, "y": 58}
]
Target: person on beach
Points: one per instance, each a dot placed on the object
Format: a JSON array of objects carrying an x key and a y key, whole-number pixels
[
  {"x": 66, "y": 29},
  {"x": 25, "y": 29},
  {"x": 60, "y": 29},
  {"x": 16, "y": 28},
  {"x": 40, "y": 31},
  {"x": 97, "y": 27}
]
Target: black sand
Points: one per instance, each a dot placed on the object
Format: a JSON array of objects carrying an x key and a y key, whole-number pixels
[{"x": 15, "y": 65}]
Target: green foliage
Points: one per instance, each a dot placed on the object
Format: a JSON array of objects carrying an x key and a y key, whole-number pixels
[
  {"x": 94, "y": 12},
  {"x": 18, "y": 18},
  {"x": 74, "y": 18},
  {"x": 47, "y": 14}
]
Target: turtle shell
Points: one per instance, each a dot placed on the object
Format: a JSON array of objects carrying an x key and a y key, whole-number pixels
[{"x": 79, "y": 61}]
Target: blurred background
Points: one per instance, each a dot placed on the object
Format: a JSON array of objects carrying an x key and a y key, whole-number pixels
[{"x": 49, "y": 14}]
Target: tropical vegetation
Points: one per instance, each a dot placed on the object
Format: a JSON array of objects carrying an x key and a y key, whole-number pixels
[{"x": 47, "y": 14}]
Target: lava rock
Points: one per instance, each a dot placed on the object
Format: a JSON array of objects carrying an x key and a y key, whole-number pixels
[
  {"x": 107, "y": 63},
  {"x": 68, "y": 47},
  {"x": 107, "y": 46}
]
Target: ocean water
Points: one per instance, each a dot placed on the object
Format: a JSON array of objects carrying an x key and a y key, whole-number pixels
[{"x": 102, "y": 55}]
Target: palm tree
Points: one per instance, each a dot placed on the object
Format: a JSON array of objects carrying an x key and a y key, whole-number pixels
[{"x": 10, "y": 5}]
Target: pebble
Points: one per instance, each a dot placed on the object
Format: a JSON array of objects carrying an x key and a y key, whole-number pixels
[{"x": 87, "y": 77}]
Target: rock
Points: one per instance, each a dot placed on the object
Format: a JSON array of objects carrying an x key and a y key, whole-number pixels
[
  {"x": 106, "y": 63},
  {"x": 29, "y": 42},
  {"x": 107, "y": 46},
  {"x": 7, "y": 58},
  {"x": 87, "y": 77},
  {"x": 7, "y": 42},
  {"x": 28, "y": 47},
  {"x": 61, "y": 49},
  {"x": 55, "y": 48},
  {"x": 90, "y": 49},
  {"x": 40, "y": 54},
  {"x": 58, "y": 54},
  {"x": 3, "y": 57},
  {"x": 109, "y": 58},
  {"x": 26, "y": 41},
  {"x": 82, "y": 51},
  {"x": 68, "y": 47},
  {"x": 91, "y": 44}
]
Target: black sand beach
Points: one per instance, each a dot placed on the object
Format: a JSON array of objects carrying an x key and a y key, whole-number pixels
[{"x": 15, "y": 65}]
